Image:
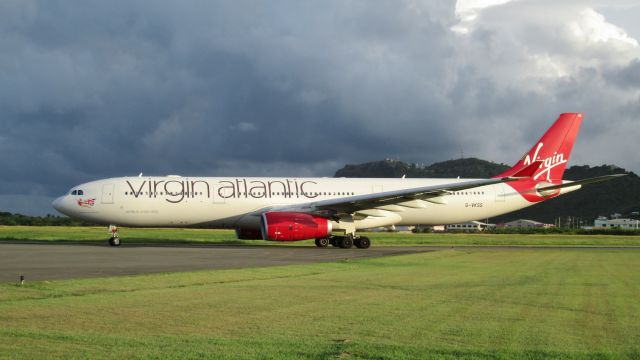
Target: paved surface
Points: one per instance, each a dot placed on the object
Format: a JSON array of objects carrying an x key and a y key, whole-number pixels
[
  {"x": 37, "y": 261},
  {"x": 57, "y": 261}
]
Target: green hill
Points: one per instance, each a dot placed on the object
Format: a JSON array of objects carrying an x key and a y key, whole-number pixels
[
  {"x": 615, "y": 196},
  {"x": 619, "y": 195},
  {"x": 465, "y": 168}
]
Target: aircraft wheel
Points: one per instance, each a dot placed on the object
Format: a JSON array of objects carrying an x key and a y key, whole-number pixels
[
  {"x": 363, "y": 242},
  {"x": 334, "y": 241},
  {"x": 114, "y": 241},
  {"x": 346, "y": 242},
  {"x": 322, "y": 242}
]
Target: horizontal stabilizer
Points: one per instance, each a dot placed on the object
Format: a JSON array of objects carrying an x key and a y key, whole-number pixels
[
  {"x": 582, "y": 182},
  {"x": 528, "y": 171}
]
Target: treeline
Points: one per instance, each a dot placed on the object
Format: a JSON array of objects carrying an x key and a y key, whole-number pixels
[
  {"x": 543, "y": 231},
  {"x": 565, "y": 231},
  {"x": 465, "y": 168},
  {"x": 7, "y": 218}
]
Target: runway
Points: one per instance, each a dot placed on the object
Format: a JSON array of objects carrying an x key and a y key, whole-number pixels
[
  {"x": 63, "y": 261},
  {"x": 39, "y": 261}
]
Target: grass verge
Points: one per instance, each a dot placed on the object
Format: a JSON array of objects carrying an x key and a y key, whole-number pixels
[
  {"x": 210, "y": 236},
  {"x": 446, "y": 304}
]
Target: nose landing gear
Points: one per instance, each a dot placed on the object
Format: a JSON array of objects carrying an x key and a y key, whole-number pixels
[{"x": 115, "y": 239}]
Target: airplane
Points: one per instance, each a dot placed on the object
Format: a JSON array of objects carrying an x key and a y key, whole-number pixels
[{"x": 329, "y": 210}]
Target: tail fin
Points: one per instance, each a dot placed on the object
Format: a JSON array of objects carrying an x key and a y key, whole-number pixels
[{"x": 553, "y": 149}]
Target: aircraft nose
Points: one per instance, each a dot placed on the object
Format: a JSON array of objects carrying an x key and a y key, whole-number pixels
[{"x": 58, "y": 204}]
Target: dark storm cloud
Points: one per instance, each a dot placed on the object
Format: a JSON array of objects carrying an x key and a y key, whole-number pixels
[
  {"x": 627, "y": 77},
  {"x": 97, "y": 89}
]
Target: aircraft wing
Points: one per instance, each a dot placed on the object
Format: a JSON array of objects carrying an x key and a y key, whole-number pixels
[
  {"x": 410, "y": 198},
  {"x": 405, "y": 197}
]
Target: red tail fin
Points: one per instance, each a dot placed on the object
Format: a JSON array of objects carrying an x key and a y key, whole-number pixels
[
  {"x": 528, "y": 171},
  {"x": 553, "y": 149}
]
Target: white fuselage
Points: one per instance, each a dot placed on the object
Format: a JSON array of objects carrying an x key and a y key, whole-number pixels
[{"x": 175, "y": 201}]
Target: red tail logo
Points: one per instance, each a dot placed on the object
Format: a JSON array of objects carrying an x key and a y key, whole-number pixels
[
  {"x": 548, "y": 163},
  {"x": 552, "y": 151}
]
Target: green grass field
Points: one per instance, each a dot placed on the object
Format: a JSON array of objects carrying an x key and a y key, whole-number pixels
[
  {"x": 482, "y": 304},
  {"x": 209, "y": 236}
]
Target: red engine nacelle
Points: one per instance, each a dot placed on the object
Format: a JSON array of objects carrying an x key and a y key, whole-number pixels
[{"x": 293, "y": 226}]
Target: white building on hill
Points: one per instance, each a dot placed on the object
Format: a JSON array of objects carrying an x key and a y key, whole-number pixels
[
  {"x": 604, "y": 223},
  {"x": 524, "y": 223},
  {"x": 471, "y": 226}
]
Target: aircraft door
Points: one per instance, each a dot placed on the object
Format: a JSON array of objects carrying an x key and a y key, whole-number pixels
[{"x": 107, "y": 193}]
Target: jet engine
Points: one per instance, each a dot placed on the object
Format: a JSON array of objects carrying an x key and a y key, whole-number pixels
[
  {"x": 248, "y": 234},
  {"x": 293, "y": 226}
]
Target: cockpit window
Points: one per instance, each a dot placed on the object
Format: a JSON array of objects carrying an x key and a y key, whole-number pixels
[
  {"x": 80, "y": 192},
  {"x": 74, "y": 192}
]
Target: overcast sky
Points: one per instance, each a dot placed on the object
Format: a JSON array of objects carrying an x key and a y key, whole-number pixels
[{"x": 95, "y": 89}]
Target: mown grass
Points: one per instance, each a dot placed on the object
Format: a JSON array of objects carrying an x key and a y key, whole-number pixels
[
  {"x": 211, "y": 236},
  {"x": 491, "y": 304},
  {"x": 131, "y": 235}
]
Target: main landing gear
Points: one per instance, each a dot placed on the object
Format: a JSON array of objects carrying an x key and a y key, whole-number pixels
[
  {"x": 345, "y": 242},
  {"x": 115, "y": 239}
]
